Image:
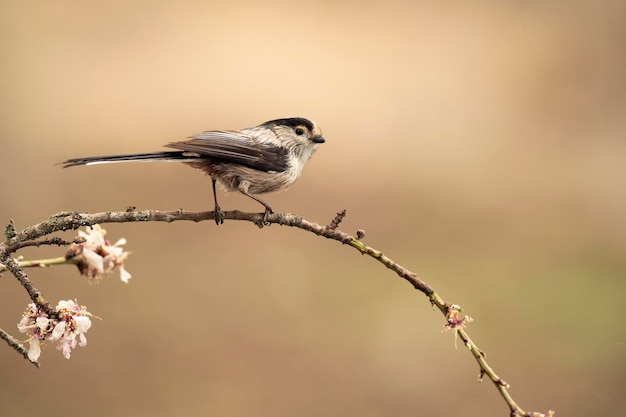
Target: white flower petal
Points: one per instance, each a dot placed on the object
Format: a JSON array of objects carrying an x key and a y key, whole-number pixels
[
  {"x": 124, "y": 274},
  {"x": 65, "y": 348},
  {"x": 34, "y": 350},
  {"x": 42, "y": 322},
  {"x": 83, "y": 323},
  {"x": 25, "y": 324},
  {"x": 121, "y": 241},
  {"x": 71, "y": 340},
  {"x": 65, "y": 305},
  {"x": 93, "y": 259},
  {"x": 83, "y": 340},
  {"x": 58, "y": 332}
]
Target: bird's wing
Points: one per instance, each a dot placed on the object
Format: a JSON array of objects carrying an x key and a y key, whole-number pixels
[{"x": 235, "y": 147}]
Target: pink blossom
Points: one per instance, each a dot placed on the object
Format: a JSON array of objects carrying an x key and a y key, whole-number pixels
[
  {"x": 73, "y": 321},
  {"x": 96, "y": 256}
]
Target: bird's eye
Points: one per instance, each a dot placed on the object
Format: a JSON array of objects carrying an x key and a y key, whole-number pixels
[{"x": 299, "y": 131}]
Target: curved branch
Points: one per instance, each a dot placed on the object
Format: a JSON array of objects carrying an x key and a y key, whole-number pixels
[{"x": 74, "y": 220}]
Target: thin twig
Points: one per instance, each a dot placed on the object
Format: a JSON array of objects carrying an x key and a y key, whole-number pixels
[
  {"x": 15, "y": 344},
  {"x": 40, "y": 263},
  {"x": 35, "y": 295},
  {"x": 334, "y": 224},
  {"x": 48, "y": 241}
]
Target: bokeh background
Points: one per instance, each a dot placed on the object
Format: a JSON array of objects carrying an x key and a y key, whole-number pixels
[{"x": 480, "y": 144}]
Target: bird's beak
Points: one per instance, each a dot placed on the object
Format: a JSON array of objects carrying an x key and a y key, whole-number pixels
[{"x": 318, "y": 139}]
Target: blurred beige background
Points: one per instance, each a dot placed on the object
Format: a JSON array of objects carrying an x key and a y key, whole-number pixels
[{"x": 481, "y": 145}]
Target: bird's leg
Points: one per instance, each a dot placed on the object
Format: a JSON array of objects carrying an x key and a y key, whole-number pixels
[
  {"x": 219, "y": 215},
  {"x": 243, "y": 186},
  {"x": 268, "y": 208}
]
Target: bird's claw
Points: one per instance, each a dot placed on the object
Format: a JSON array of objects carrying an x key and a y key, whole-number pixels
[
  {"x": 268, "y": 211},
  {"x": 219, "y": 215}
]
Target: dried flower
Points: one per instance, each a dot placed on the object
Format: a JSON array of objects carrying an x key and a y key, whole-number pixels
[
  {"x": 455, "y": 321},
  {"x": 96, "y": 256}
]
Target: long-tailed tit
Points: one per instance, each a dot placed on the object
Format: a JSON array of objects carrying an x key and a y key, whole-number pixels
[{"x": 256, "y": 160}]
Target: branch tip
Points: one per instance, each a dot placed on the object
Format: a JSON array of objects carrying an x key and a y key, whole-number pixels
[
  {"x": 17, "y": 346},
  {"x": 9, "y": 230},
  {"x": 334, "y": 224}
]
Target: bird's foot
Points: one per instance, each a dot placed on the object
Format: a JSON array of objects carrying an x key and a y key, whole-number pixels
[
  {"x": 219, "y": 215},
  {"x": 268, "y": 211}
]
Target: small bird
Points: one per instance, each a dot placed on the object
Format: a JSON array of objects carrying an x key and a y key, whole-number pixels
[{"x": 255, "y": 160}]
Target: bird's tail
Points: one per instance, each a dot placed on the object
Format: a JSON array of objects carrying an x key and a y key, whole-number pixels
[{"x": 136, "y": 157}]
